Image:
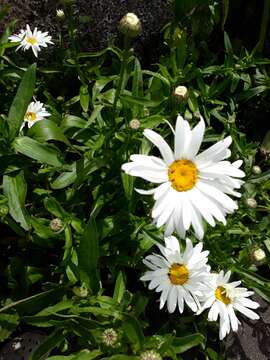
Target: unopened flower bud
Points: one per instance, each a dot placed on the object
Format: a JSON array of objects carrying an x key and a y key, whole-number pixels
[
  {"x": 256, "y": 170},
  {"x": 109, "y": 337},
  {"x": 181, "y": 93},
  {"x": 3, "y": 210},
  {"x": 251, "y": 203},
  {"x": 60, "y": 13},
  {"x": 80, "y": 291},
  {"x": 150, "y": 355},
  {"x": 130, "y": 25},
  {"x": 258, "y": 256},
  {"x": 134, "y": 124},
  {"x": 56, "y": 224},
  {"x": 265, "y": 147}
]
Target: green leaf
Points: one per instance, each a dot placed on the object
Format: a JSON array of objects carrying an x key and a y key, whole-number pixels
[
  {"x": 133, "y": 331},
  {"x": 15, "y": 189},
  {"x": 122, "y": 357},
  {"x": 54, "y": 207},
  {"x": 47, "y": 130},
  {"x": 8, "y": 323},
  {"x": 88, "y": 256},
  {"x": 128, "y": 185},
  {"x": 134, "y": 100},
  {"x": 182, "y": 344},
  {"x": 47, "y": 345},
  {"x": 82, "y": 355},
  {"x": 71, "y": 121},
  {"x": 43, "y": 153},
  {"x": 120, "y": 288},
  {"x": 21, "y": 101},
  {"x": 84, "y": 97}
]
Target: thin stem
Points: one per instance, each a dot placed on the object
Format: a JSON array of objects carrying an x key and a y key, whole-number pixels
[{"x": 121, "y": 84}]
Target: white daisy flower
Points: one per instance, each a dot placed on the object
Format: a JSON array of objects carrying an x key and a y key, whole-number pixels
[
  {"x": 224, "y": 298},
  {"x": 180, "y": 277},
  {"x": 192, "y": 186},
  {"x": 35, "y": 112},
  {"x": 33, "y": 40}
]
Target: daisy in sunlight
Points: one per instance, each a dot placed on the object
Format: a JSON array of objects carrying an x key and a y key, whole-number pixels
[
  {"x": 224, "y": 299},
  {"x": 180, "y": 277},
  {"x": 33, "y": 40},
  {"x": 192, "y": 186},
  {"x": 35, "y": 112}
]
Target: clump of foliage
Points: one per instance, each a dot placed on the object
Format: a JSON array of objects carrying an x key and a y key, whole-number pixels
[{"x": 74, "y": 231}]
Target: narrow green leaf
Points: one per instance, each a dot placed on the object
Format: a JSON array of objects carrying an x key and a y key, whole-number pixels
[
  {"x": 53, "y": 206},
  {"x": 88, "y": 256},
  {"x": 47, "y": 345},
  {"x": 43, "y": 153},
  {"x": 84, "y": 97},
  {"x": 133, "y": 331},
  {"x": 182, "y": 344},
  {"x": 139, "y": 101},
  {"x": 47, "y": 130},
  {"x": 21, "y": 101},
  {"x": 120, "y": 288},
  {"x": 15, "y": 189}
]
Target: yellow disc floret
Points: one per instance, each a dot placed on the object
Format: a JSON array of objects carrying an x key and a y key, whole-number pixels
[
  {"x": 31, "y": 40},
  {"x": 31, "y": 116},
  {"x": 183, "y": 175},
  {"x": 178, "y": 274},
  {"x": 221, "y": 295}
]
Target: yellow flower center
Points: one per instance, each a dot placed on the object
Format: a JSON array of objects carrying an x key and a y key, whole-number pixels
[
  {"x": 178, "y": 274},
  {"x": 31, "y": 116},
  {"x": 31, "y": 40},
  {"x": 183, "y": 175},
  {"x": 221, "y": 295}
]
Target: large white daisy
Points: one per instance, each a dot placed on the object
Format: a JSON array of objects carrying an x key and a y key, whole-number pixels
[
  {"x": 33, "y": 40},
  {"x": 180, "y": 277},
  {"x": 224, "y": 299},
  {"x": 35, "y": 112},
  {"x": 193, "y": 186}
]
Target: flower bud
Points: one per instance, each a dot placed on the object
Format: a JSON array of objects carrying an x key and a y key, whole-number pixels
[
  {"x": 56, "y": 224},
  {"x": 130, "y": 25},
  {"x": 134, "y": 124},
  {"x": 3, "y": 210},
  {"x": 256, "y": 170},
  {"x": 60, "y": 14},
  {"x": 181, "y": 93},
  {"x": 265, "y": 147},
  {"x": 251, "y": 203},
  {"x": 109, "y": 337},
  {"x": 258, "y": 256},
  {"x": 150, "y": 355},
  {"x": 80, "y": 291}
]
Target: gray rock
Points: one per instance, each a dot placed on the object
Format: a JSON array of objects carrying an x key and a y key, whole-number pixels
[{"x": 252, "y": 341}]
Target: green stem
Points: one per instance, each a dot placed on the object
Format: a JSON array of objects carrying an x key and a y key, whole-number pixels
[
  {"x": 121, "y": 83},
  {"x": 264, "y": 24}
]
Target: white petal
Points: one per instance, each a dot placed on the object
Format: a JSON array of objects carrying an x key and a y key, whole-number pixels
[
  {"x": 182, "y": 138},
  {"x": 161, "y": 144},
  {"x": 172, "y": 299},
  {"x": 196, "y": 139},
  {"x": 172, "y": 243},
  {"x": 247, "y": 312},
  {"x": 233, "y": 318}
]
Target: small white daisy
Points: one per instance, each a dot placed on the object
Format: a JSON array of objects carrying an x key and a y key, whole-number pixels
[
  {"x": 192, "y": 186},
  {"x": 181, "y": 278},
  {"x": 33, "y": 40},
  {"x": 224, "y": 298},
  {"x": 35, "y": 112}
]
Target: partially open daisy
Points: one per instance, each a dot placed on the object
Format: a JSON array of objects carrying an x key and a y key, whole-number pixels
[
  {"x": 193, "y": 186},
  {"x": 35, "y": 112},
  {"x": 33, "y": 40},
  {"x": 180, "y": 277},
  {"x": 224, "y": 298}
]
